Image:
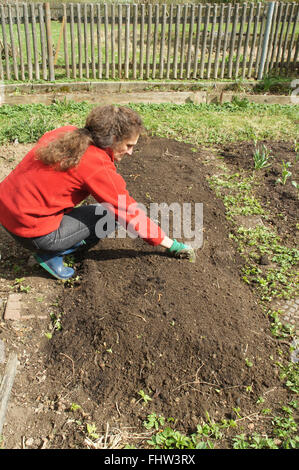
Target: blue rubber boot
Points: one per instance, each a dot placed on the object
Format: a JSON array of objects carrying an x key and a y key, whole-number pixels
[{"x": 53, "y": 263}]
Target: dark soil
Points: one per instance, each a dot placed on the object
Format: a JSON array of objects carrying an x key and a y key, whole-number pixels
[{"x": 137, "y": 319}]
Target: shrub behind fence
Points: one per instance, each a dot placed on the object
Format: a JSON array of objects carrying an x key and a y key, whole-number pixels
[{"x": 145, "y": 41}]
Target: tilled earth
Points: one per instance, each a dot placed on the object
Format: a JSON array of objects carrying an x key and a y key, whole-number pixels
[{"x": 137, "y": 320}]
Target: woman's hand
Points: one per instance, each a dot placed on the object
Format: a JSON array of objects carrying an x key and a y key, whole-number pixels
[{"x": 179, "y": 250}]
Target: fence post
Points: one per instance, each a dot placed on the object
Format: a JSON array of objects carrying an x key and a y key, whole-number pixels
[
  {"x": 266, "y": 40},
  {"x": 49, "y": 41}
]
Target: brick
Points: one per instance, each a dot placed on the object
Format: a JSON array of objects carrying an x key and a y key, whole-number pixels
[{"x": 13, "y": 307}]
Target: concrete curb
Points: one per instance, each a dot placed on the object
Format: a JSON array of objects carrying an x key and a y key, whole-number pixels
[{"x": 124, "y": 92}]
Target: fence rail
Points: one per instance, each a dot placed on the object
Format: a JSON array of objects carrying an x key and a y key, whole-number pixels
[{"x": 130, "y": 41}]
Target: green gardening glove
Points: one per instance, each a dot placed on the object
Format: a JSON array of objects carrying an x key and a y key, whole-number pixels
[{"x": 180, "y": 250}]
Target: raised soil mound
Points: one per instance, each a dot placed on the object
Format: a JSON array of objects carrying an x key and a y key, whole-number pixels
[{"x": 140, "y": 320}]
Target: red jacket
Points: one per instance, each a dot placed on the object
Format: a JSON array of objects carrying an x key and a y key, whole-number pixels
[{"x": 34, "y": 196}]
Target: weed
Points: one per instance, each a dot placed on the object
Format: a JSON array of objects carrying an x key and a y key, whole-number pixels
[
  {"x": 290, "y": 374},
  {"x": 146, "y": 398},
  {"x": 278, "y": 329},
  {"x": 154, "y": 421},
  {"x": 75, "y": 407},
  {"x": 285, "y": 174},
  {"x": 17, "y": 285},
  {"x": 91, "y": 430},
  {"x": 56, "y": 321},
  {"x": 261, "y": 157},
  {"x": 248, "y": 362}
]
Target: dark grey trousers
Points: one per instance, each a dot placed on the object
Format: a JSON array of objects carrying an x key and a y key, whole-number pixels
[{"x": 77, "y": 225}]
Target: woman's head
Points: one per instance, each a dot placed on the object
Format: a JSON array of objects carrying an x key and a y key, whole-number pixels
[
  {"x": 109, "y": 125},
  {"x": 106, "y": 126}
]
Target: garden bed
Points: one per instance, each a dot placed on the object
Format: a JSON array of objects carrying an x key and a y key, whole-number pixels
[{"x": 139, "y": 333}]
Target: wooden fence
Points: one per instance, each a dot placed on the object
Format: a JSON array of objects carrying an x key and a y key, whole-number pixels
[{"x": 129, "y": 41}]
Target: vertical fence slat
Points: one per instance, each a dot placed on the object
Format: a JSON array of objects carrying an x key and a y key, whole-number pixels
[
  {"x": 212, "y": 35},
  {"x": 106, "y": 20},
  {"x": 162, "y": 41},
  {"x": 282, "y": 24},
  {"x": 274, "y": 44},
  {"x": 290, "y": 10},
  {"x": 142, "y": 41},
  {"x": 135, "y": 13},
  {"x": 86, "y": 55},
  {"x": 49, "y": 42},
  {"x": 148, "y": 39},
  {"x": 120, "y": 21},
  {"x": 12, "y": 42},
  {"x": 5, "y": 43},
  {"x": 27, "y": 40},
  {"x": 135, "y": 27},
  {"x": 34, "y": 39},
  {"x": 190, "y": 40},
  {"x": 43, "y": 40},
  {"x": 226, "y": 40},
  {"x": 252, "y": 50},
  {"x": 270, "y": 48},
  {"x": 196, "y": 53},
  {"x": 127, "y": 41},
  {"x": 219, "y": 35},
  {"x": 65, "y": 43},
  {"x": 263, "y": 19},
  {"x": 155, "y": 45},
  {"x": 99, "y": 41},
  {"x": 233, "y": 40},
  {"x": 204, "y": 41},
  {"x": 112, "y": 40},
  {"x": 248, "y": 31},
  {"x": 20, "y": 42},
  {"x": 240, "y": 39},
  {"x": 182, "y": 56},
  {"x": 169, "y": 41},
  {"x": 72, "y": 30},
  {"x": 92, "y": 43},
  {"x": 80, "y": 66},
  {"x": 176, "y": 41},
  {"x": 291, "y": 44},
  {"x": 281, "y": 41}
]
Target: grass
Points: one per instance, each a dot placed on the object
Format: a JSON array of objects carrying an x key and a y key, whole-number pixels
[{"x": 202, "y": 124}]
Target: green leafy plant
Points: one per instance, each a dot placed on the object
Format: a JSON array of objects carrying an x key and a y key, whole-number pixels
[
  {"x": 154, "y": 421},
  {"x": 146, "y": 398},
  {"x": 261, "y": 157},
  {"x": 285, "y": 174},
  {"x": 91, "y": 430},
  {"x": 75, "y": 407}
]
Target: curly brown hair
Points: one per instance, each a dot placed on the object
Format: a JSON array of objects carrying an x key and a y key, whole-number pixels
[{"x": 105, "y": 126}]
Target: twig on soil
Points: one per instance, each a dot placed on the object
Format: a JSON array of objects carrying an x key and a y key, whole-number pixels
[
  {"x": 68, "y": 357},
  {"x": 196, "y": 381},
  {"x": 116, "y": 405},
  {"x": 271, "y": 390},
  {"x": 139, "y": 316}
]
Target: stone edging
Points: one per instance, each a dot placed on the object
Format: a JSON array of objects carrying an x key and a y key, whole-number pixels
[{"x": 194, "y": 92}]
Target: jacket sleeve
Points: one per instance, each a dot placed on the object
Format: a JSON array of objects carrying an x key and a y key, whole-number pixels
[{"x": 108, "y": 187}]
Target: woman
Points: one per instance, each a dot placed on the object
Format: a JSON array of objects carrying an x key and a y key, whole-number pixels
[{"x": 38, "y": 198}]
